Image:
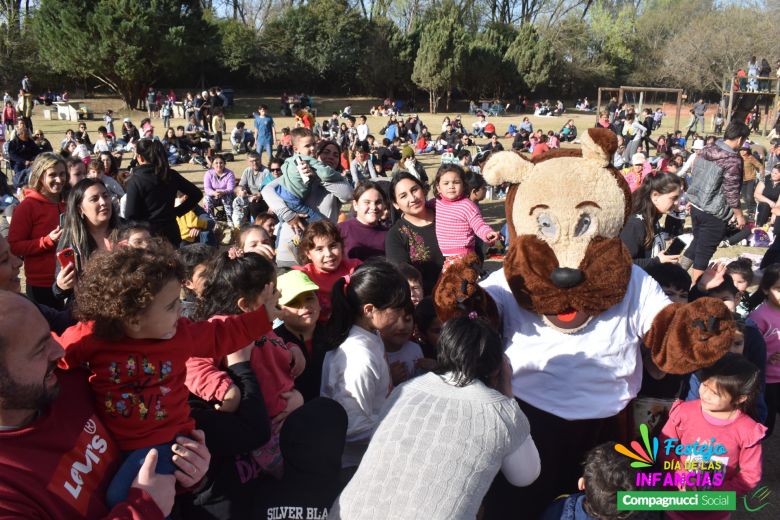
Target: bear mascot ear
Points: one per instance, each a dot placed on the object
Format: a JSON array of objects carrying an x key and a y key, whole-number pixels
[
  {"x": 504, "y": 167},
  {"x": 599, "y": 146}
]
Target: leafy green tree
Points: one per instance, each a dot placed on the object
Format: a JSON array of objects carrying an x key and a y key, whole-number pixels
[
  {"x": 440, "y": 56},
  {"x": 532, "y": 57},
  {"x": 124, "y": 44},
  {"x": 321, "y": 42},
  {"x": 485, "y": 71},
  {"x": 392, "y": 52}
]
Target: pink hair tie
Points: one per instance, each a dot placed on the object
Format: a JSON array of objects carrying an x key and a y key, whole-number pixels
[
  {"x": 473, "y": 315},
  {"x": 346, "y": 283}
]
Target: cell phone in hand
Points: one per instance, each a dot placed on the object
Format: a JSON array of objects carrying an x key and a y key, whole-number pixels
[
  {"x": 675, "y": 248},
  {"x": 62, "y": 220},
  {"x": 299, "y": 161},
  {"x": 67, "y": 257}
]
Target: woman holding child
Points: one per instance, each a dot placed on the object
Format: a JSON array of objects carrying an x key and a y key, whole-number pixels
[
  {"x": 327, "y": 198},
  {"x": 412, "y": 239}
]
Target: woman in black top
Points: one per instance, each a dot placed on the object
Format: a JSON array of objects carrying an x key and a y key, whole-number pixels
[
  {"x": 642, "y": 234},
  {"x": 412, "y": 239},
  {"x": 767, "y": 194},
  {"x": 151, "y": 192}
]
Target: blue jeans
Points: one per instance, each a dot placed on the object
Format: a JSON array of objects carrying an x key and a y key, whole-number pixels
[
  {"x": 296, "y": 204},
  {"x": 264, "y": 145},
  {"x": 120, "y": 485}
]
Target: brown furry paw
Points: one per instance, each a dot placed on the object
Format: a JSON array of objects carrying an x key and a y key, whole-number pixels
[{"x": 685, "y": 338}]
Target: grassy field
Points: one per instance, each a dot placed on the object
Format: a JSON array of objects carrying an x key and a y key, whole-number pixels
[{"x": 243, "y": 107}]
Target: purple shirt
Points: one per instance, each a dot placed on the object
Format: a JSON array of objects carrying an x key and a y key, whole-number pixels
[
  {"x": 362, "y": 241},
  {"x": 212, "y": 183}
]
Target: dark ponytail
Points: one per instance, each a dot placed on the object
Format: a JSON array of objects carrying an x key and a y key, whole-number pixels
[
  {"x": 232, "y": 278},
  {"x": 153, "y": 153},
  {"x": 378, "y": 283}
]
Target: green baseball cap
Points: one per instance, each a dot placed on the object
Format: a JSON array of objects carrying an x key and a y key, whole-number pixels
[{"x": 292, "y": 283}]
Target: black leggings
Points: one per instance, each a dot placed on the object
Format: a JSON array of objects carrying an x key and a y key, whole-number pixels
[{"x": 772, "y": 396}]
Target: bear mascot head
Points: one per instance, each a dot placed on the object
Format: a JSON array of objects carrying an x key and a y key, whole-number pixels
[{"x": 566, "y": 262}]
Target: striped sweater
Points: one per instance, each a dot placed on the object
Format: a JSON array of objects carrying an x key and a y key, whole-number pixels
[{"x": 457, "y": 222}]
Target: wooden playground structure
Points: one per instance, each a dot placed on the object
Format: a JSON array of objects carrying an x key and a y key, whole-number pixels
[
  {"x": 621, "y": 93},
  {"x": 738, "y": 99}
]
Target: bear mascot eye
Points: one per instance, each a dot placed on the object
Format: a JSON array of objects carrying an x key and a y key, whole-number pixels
[
  {"x": 583, "y": 225},
  {"x": 547, "y": 226}
]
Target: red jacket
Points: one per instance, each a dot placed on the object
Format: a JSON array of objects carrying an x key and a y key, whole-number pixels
[
  {"x": 138, "y": 384},
  {"x": 60, "y": 465},
  {"x": 270, "y": 361},
  {"x": 34, "y": 218}
]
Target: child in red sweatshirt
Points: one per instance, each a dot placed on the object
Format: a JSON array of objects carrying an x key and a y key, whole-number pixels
[
  {"x": 235, "y": 286},
  {"x": 136, "y": 345}
]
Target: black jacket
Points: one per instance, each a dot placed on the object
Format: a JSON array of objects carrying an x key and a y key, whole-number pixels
[
  {"x": 311, "y": 441},
  {"x": 232, "y": 480},
  {"x": 151, "y": 200},
  {"x": 20, "y": 151},
  {"x": 308, "y": 383}
]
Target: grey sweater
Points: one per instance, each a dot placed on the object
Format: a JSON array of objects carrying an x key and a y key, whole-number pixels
[{"x": 434, "y": 453}]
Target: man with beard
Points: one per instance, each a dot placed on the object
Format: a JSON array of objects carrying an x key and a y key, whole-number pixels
[{"x": 56, "y": 457}]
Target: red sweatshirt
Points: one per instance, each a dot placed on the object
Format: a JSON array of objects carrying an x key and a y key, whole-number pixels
[
  {"x": 325, "y": 281},
  {"x": 34, "y": 218},
  {"x": 270, "y": 361},
  {"x": 60, "y": 465},
  {"x": 138, "y": 385}
]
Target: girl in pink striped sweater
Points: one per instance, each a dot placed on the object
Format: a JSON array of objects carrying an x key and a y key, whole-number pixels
[{"x": 458, "y": 219}]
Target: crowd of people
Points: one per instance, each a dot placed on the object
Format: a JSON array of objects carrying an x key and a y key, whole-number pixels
[{"x": 301, "y": 371}]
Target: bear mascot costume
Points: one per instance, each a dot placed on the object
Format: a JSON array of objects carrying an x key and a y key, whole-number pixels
[{"x": 574, "y": 312}]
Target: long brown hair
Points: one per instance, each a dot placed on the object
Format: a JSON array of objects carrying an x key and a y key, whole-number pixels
[{"x": 642, "y": 203}]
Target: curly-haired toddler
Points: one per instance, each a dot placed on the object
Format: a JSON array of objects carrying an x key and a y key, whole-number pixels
[{"x": 136, "y": 345}]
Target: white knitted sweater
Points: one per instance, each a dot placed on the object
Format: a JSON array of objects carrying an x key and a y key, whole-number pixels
[{"x": 435, "y": 452}]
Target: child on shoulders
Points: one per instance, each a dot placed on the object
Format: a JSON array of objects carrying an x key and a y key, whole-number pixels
[{"x": 295, "y": 182}]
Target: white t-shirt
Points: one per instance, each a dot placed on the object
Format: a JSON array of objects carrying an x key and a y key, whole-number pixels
[
  {"x": 589, "y": 374},
  {"x": 356, "y": 376},
  {"x": 407, "y": 354},
  {"x": 362, "y": 132}
]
